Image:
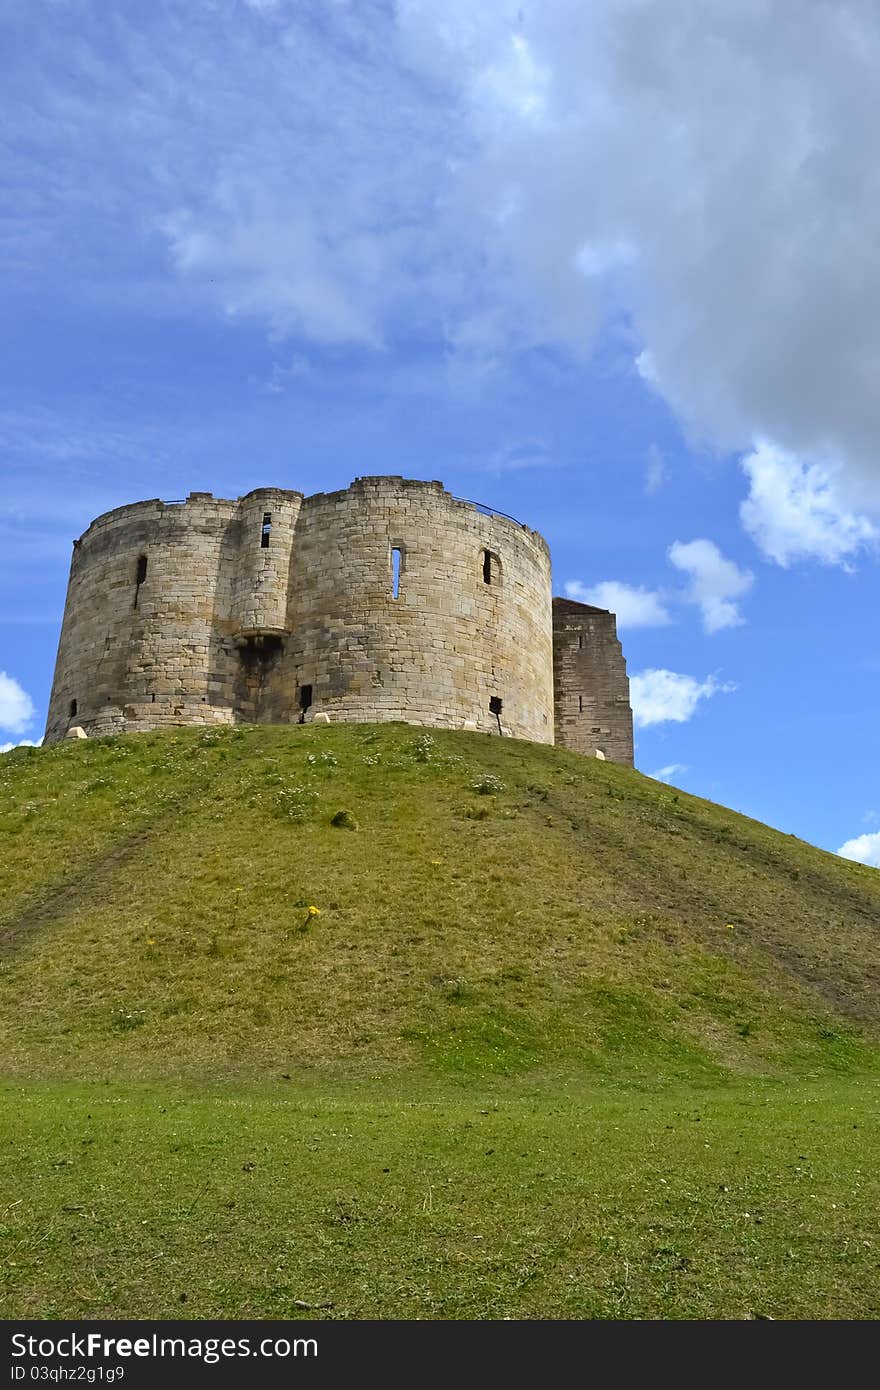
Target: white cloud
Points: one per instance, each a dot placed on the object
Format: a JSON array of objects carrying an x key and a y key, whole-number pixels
[
  {"x": 715, "y": 582},
  {"x": 864, "y": 849},
  {"x": 483, "y": 179},
  {"x": 666, "y": 774},
  {"x": 662, "y": 697},
  {"x": 728, "y": 148},
  {"x": 795, "y": 512},
  {"x": 634, "y": 606},
  {"x": 16, "y": 706},
  {"x": 22, "y": 743}
]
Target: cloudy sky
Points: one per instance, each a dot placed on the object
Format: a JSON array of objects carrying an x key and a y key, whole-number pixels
[{"x": 610, "y": 265}]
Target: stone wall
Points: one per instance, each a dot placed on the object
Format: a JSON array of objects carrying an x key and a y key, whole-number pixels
[
  {"x": 449, "y": 642},
  {"x": 180, "y": 614},
  {"x": 139, "y": 642},
  {"x": 592, "y": 709}
]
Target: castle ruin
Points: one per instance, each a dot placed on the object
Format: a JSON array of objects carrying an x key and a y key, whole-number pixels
[{"x": 390, "y": 600}]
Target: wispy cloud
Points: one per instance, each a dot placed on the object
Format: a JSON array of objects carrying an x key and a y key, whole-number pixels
[
  {"x": 669, "y": 697},
  {"x": 668, "y": 773},
  {"x": 655, "y": 471},
  {"x": 519, "y": 456},
  {"x": 368, "y": 176},
  {"x": 635, "y": 606}
]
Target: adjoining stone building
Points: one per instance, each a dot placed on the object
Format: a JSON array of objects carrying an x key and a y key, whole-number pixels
[{"x": 390, "y": 600}]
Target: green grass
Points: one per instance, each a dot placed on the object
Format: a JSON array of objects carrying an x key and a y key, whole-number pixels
[
  {"x": 751, "y": 1201},
  {"x": 154, "y": 897},
  {"x": 527, "y": 975}
]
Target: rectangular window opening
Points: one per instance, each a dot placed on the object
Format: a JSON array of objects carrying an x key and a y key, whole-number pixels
[
  {"x": 495, "y": 707},
  {"x": 580, "y": 704},
  {"x": 140, "y": 575},
  {"x": 580, "y": 639},
  {"x": 73, "y": 708},
  {"x": 487, "y": 567},
  {"x": 395, "y": 571},
  {"x": 305, "y": 701},
  {"x": 265, "y": 530}
]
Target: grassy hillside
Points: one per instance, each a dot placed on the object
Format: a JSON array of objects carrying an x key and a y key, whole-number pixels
[
  {"x": 484, "y": 908},
  {"x": 370, "y": 1022}
]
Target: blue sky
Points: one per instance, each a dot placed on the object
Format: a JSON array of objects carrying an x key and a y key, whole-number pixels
[{"x": 610, "y": 267}]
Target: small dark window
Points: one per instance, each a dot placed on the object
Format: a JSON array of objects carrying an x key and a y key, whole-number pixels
[
  {"x": 140, "y": 575},
  {"x": 395, "y": 571},
  {"x": 580, "y": 704},
  {"x": 73, "y": 709},
  {"x": 491, "y": 567},
  {"x": 305, "y": 701},
  {"x": 580, "y": 639},
  {"x": 495, "y": 705},
  {"x": 266, "y": 530}
]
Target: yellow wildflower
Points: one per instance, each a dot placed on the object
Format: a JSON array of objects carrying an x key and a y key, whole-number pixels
[{"x": 314, "y": 912}]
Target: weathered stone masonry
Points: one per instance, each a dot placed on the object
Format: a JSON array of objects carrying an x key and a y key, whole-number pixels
[
  {"x": 391, "y": 600},
  {"x": 592, "y": 707}
]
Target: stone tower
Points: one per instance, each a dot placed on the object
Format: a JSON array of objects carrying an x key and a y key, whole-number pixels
[
  {"x": 591, "y": 689},
  {"x": 390, "y": 600}
]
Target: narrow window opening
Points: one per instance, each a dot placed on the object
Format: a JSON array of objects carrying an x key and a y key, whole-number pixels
[
  {"x": 395, "y": 571},
  {"x": 140, "y": 575},
  {"x": 266, "y": 530},
  {"x": 580, "y": 704},
  {"x": 580, "y": 639},
  {"x": 305, "y": 701},
  {"x": 73, "y": 708},
  {"x": 495, "y": 706},
  {"x": 491, "y": 567}
]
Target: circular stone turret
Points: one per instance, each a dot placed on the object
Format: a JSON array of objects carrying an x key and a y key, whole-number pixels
[{"x": 390, "y": 600}]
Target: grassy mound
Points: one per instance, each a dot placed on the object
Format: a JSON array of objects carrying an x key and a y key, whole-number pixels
[
  {"x": 379, "y": 900},
  {"x": 373, "y": 1022}
]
